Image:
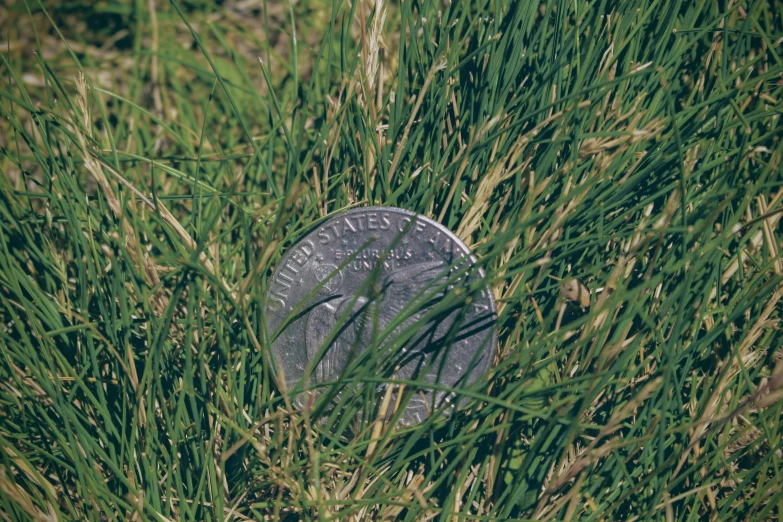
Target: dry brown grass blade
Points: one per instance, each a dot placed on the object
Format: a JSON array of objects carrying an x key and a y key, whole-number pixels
[
  {"x": 17, "y": 494},
  {"x": 767, "y": 394},
  {"x": 438, "y": 66},
  {"x": 593, "y": 452}
]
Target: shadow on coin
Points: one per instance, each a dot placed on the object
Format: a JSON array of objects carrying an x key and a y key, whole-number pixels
[
  {"x": 429, "y": 346},
  {"x": 339, "y": 405}
]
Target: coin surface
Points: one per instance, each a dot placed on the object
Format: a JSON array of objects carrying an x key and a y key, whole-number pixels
[{"x": 377, "y": 277}]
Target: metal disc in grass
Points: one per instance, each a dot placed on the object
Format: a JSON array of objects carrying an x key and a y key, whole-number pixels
[{"x": 379, "y": 297}]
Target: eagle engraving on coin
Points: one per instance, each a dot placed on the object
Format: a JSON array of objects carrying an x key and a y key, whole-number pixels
[
  {"x": 376, "y": 277},
  {"x": 320, "y": 322}
]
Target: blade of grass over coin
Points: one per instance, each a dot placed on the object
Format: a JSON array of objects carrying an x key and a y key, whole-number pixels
[{"x": 613, "y": 167}]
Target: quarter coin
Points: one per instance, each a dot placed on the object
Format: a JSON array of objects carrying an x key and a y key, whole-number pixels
[{"x": 370, "y": 286}]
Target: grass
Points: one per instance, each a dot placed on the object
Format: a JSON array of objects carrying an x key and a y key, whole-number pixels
[{"x": 615, "y": 167}]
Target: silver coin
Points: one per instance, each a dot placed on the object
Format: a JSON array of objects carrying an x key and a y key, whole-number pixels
[{"x": 376, "y": 277}]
